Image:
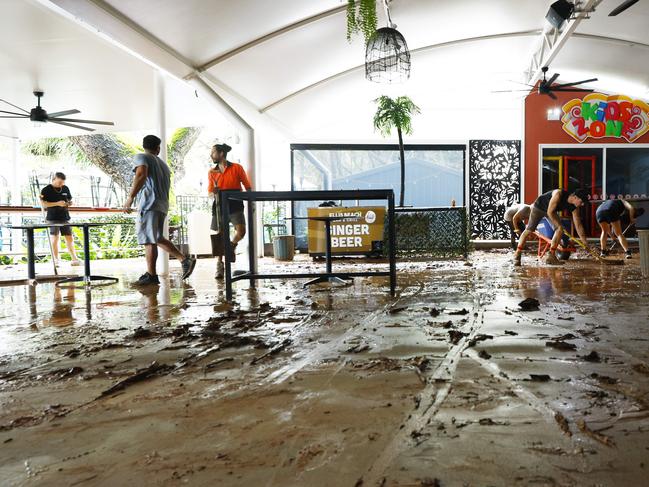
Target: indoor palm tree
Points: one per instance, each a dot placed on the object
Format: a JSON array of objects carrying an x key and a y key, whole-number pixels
[{"x": 396, "y": 114}]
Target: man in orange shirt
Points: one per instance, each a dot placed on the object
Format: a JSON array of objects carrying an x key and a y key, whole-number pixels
[{"x": 228, "y": 175}]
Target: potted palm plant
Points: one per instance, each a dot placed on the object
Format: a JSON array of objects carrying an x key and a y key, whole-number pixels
[{"x": 396, "y": 114}]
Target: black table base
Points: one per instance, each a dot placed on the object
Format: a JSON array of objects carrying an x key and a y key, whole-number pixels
[
  {"x": 330, "y": 280},
  {"x": 87, "y": 277},
  {"x": 335, "y": 279},
  {"x": 260, "y": 196}
]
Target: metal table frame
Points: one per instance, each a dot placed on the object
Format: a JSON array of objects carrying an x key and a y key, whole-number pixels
[
  {"x": 87, "y": 277},
  {"x": 327, "y": 222},
  {"x": 254, "y": 196}
]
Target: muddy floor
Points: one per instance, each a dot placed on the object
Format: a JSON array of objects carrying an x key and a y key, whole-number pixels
[{"x": 451, "y": 383}]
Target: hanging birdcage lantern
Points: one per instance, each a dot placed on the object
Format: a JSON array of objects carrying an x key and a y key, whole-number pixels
[{"x": 387, "y": 58}]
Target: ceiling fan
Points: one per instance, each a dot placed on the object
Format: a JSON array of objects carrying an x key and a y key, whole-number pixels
[
  {"x": 547, "y": 86},
  {"x": 622, "y": 7},
  {"x": 38, "y": 114}
]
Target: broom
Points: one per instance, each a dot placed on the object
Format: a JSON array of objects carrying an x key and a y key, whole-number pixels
[
  {"x": 593, "y": 254},
  {"x": 613, "y": 237},
  {"x": 49, "y": 239}
]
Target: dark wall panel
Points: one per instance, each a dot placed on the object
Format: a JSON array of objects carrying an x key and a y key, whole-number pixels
[{"x": 494, "y": 184}]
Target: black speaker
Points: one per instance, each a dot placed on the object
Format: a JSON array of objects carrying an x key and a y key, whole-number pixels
[{"x": 559, "y": 12}]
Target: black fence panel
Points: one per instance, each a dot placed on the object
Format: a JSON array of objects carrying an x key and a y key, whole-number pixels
[{"x": 432, "y": 232}]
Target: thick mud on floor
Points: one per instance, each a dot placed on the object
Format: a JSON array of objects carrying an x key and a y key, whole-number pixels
[{"x": 451, "y": 383}]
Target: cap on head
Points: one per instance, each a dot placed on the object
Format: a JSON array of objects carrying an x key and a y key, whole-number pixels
[{"x": 151, "y": 142}]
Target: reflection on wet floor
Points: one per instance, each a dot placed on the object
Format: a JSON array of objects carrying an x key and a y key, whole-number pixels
[{"x": 448, "y": 382}]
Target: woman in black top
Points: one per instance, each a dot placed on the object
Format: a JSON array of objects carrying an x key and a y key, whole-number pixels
[
  {"x": 550, "y": 205},
  {"x": 609, "y": 215},
  {"x": 56, "y": 198}
]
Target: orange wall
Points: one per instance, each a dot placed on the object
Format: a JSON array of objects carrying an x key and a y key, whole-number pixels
[{"x": 540, "y": 130}]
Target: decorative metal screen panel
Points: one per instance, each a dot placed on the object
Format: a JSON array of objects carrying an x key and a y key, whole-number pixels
[
  {"x": 494, "y": 185},
  {"x": 438, "y": 232}
]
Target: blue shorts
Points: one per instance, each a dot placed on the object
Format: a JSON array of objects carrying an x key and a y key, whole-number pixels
[
  {"x": 607, "y": 216},
  {"x": 150, "y": 225}
]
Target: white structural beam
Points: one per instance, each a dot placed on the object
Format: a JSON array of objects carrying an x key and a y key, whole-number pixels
[
  {"x": 552, "y": 40},
  {"x": 160, "y": 122},
  {"x": 103, "y": 20},
  {"x": 422, "y": 49},
  {"x": 267, "y": 37}
]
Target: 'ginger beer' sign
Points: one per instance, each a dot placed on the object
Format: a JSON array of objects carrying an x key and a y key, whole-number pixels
[
  {"x": 360, "y": 230},
  {"x": 598, "y": 115}
]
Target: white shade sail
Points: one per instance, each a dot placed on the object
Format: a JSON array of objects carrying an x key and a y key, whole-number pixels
[{"x": 287, "y": 62}]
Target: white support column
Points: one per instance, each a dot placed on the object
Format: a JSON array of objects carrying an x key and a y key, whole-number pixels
[
  {"x": 249, "y": 142},
  {"x": 161, "y": 126},
  {"x": 16, "y": 218}
]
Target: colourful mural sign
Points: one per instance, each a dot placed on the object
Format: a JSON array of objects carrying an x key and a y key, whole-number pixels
[{"x": 598, "y": 115}]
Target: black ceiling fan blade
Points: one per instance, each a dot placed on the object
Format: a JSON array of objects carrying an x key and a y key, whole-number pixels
[
  {"x": 72, "y": 125},
  {"x": 565, "y": 85},
  {"x": 63, "y": 113},
  {"x": 552, "y": 79},
  {"x": 510, "y": 91},
  {"x": 519, "y": 83},
  {"x": 96, "y": 122},
  {"x": 574, "y": 90},
  {"x": 15, "y": 106},
  {"x": 14, "y": 116},
  {"x": 14, "y": 113},
  {"x": 552, "y": 95},
  {"x": 622, "y": 7}
]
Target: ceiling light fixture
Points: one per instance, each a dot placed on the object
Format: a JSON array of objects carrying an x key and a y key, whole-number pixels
[
  {"x": 559, "y": 12},
  {"x": 387, "y": 58}
]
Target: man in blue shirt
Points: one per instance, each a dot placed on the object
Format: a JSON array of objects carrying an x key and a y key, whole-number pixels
[{"x": 151, "y": 187}]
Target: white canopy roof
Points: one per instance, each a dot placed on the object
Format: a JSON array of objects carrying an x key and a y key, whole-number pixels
[{"x": 287, "y": 62}]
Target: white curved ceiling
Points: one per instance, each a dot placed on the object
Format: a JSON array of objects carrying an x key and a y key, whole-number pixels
[{"x": 289, "y": 61}]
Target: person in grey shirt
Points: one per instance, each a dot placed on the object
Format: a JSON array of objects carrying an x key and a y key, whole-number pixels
[{"x": 150, "y": 191}]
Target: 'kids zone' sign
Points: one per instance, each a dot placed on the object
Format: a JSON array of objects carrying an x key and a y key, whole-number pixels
[{"x": 599, "y": 115}]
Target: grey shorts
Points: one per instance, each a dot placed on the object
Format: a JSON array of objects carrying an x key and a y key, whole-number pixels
[
  {"x": 536, "y": 215},
  {"x": 150, "y": 225},
  {"x": 237, "y": 218},
  {"x": 65, "y": 231}
]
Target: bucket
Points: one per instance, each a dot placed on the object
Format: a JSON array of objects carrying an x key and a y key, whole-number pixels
[
  {"x": 284, "y": 247},
  {"x": 643, "y": 238}
]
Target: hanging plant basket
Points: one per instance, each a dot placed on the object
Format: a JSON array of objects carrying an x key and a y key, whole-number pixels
[
  {"x": 361, "y": 18},
  {"x": 387, "y": 58}
]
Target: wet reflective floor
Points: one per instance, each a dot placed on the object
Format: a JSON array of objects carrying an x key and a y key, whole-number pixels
[{"x": 449, "y": 383}]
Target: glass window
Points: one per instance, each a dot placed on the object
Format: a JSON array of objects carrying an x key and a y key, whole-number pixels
[
  {"x": 627, "y": 172},
  {"x": 434, "y": 174},
  {"x": 572, "y": 169}
]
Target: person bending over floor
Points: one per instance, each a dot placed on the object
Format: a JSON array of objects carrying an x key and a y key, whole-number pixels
[
  {"x": 514, "y": 217},
  {"x": 228, "y": 175},
  {"x": 151, "y": 188},
  {"x": 609, "y": 215},
  {"x": 550, "y": 205},
  {"x": 56, "y": 198}
]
